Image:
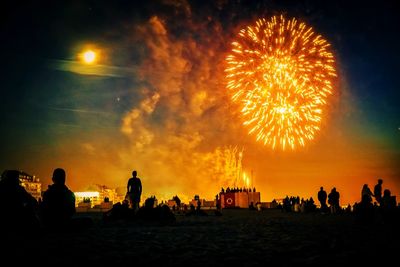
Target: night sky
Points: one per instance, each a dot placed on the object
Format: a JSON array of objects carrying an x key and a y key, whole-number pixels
[{"x": 157, "y": 100}]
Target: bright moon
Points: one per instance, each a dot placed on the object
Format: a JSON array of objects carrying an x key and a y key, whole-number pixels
[{"x": 89, "y": 57}]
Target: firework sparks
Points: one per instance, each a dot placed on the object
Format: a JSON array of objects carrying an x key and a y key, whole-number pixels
[
  {"x": 227, "y": 166},
  {"x": 281, "y": 73}
]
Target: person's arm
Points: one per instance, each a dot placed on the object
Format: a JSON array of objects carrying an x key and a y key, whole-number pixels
[
  {"x": 140, "y": 187},
  {"x": 127, "y": 187}
]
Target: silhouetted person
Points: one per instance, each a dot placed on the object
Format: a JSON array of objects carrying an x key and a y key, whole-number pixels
[
  {"x": 378, "y": 191},
  {"x": 322, "y": 196},
  {"x": 58, "y": 205},
  {"x": 365, "y": 209},
  {"x": 389, "y": 207},
  {"x": 287, "y": 206},
  {"x": 348, "y": 208},
  {"x": 119, "y": 211},
  {"x": 218, "y": 202},
  {"x": 134, "y": 191},
  {"x": 333, "y": 200},
  {"x": 366, "y": 195},
  {"x": 251, "y": 206},
  {"x": 177, "y": 201},
  {"x": 198, "y": 205},
  {"x": 159, "y": 214},
  {"x": 388, "y": 201},
  {"x": 18, "y": 208},
  {"x": 310, "y": 205}
]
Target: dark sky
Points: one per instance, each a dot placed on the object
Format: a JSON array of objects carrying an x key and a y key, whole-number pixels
[{"x": 53, "y": 117}]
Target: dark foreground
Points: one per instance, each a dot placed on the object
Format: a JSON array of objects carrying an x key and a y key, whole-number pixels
[{"x": 238, "y": 237}]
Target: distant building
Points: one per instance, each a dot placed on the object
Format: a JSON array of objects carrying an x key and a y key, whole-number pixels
[
  {"x": 239, "y": 199},
  {"x": 97, "y": 200},
  {"x": 88, "y": 198},
  {"x": 31, "y": 184},
  {"x": 109, "y": 195}
]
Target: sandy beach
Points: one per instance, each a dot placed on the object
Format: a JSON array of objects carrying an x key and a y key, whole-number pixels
[{"x": 240, "y": 236}]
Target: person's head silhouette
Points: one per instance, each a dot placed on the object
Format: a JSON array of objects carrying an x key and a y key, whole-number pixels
[
  {"x": 386, "y": 193},
  {"x": 59, "y": 176},
  {"x": 134, "y": 173},
  {"x": 380, "y": 181}
]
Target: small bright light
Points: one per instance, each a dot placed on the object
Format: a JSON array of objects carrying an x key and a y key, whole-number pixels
[
  {"x": 89, "y": 57},
  {"x": 87, "y": 194}
]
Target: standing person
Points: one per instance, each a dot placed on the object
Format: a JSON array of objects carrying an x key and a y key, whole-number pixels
[
  {"x": 134, "y": 191},
  {"x": 178, "y": 202},
  {"x": 337, "y": 201},
  {"x": 58, "y": 205},
  {"x": 322, "y": 196},
  {"x": 366, "y": 195},
  {"x": 378, "y": 191},
  {"x": 333, "y": 200}
]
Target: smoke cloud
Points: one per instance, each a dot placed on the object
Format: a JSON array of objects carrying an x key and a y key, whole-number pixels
[{"x": 180, "y": 134}]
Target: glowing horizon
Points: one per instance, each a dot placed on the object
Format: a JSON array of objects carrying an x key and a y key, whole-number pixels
[{"x": 156, "y": 101}]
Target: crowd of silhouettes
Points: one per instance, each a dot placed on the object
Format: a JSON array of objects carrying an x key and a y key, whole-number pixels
[
  {"x": 296, "y": 204},
  {"x": 56, "y": 208},
  {"x": 152, "y": 212},
  {"x": 237, "y": 189},
  {"x": 367, "y": 210},
  {"x": 384, "y": 207}
]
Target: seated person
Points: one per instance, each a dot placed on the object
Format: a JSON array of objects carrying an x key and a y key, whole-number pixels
[
  {"x": 18, "y": 207},
  {"x": 58, "y": 205}
]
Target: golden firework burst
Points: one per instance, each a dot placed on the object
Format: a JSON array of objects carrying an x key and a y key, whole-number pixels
[{"x": 281, "y": 73}]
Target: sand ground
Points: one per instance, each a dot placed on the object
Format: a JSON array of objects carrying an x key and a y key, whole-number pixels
[{"x": 238, "y": 237}]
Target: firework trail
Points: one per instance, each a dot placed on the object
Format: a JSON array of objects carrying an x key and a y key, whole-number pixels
[{"x": 281, "y": 74}]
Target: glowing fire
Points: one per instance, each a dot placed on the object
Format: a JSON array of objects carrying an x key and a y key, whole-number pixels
[{"x": 281, "y": 73}]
